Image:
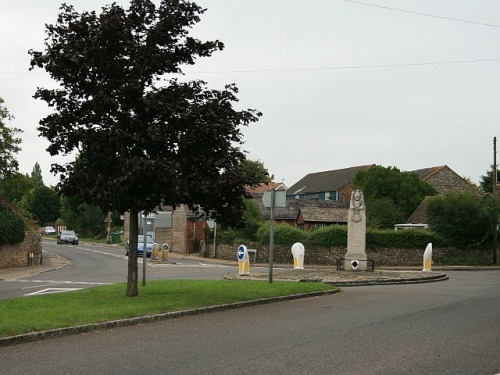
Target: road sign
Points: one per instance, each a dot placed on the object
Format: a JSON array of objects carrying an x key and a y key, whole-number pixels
[{"x": 241, "y": 252}]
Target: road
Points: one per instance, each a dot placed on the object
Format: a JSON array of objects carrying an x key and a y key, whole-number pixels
[
  {"x": 448, "y": 327},
  {"x": 92, "y": 265}
]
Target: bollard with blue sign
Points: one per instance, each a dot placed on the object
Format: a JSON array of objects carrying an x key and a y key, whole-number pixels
[{"x": 243, "y": 261}]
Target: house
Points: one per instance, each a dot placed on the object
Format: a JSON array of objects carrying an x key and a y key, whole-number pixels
[
  {"x": 444, "y": 179},
  {"x": 305, "y": 214},
  {"x": 334, "y": 185}
]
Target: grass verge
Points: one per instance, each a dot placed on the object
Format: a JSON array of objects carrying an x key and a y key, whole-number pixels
[{"x": 106, "y": 303}]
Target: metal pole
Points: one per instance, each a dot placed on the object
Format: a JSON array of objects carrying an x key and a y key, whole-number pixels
[
  {"x": 144, "y": 257},
  {"x": 495, "y": 229},
  {"x": 271, "y": 238},
  {"x": 215, "y": 236}
]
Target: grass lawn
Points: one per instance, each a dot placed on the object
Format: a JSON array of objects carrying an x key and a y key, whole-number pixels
[{"x": 106, "y": 303}]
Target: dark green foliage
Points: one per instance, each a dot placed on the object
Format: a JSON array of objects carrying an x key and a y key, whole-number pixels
[
  {"x": 12, "y": 228},
  {"x": 404, "y": 189},
  {"x": 383, "y": 213},
  {"x": 87, "y": 220},
  {"x": 144, "y": 138},
  {"x": 43, "y": 203},
  {"x": 283, "y": 234},
  {"x": 9, "y": 144},
  {"x": 487, "y": 180},
  {"x": 401, "y": 239},
  {"x": 334, "y": 236},
  {"x": 465, "y": 219}
]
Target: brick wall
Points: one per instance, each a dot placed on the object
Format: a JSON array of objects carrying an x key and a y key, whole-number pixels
[
  {"x": 17, "y": 255},
  {"x": 328, "y": 256},
  {"x": 446, "y": 180}
]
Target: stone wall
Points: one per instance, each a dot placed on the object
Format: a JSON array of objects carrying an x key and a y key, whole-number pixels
[
  {"x": 179, "y": 229},
  {"x": 329, "y": 256},
  {"x": 446, "y": 180},
  {"x": 18, "y": 255}
]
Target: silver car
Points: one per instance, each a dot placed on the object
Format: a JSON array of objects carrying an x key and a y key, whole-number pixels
[{"x": 67, "y": 236}]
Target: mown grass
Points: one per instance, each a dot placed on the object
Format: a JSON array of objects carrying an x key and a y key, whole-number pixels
[{"x": 106, "y": 303}]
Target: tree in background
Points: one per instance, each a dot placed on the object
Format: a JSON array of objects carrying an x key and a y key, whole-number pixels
[
  {"x": 255, "y": 169},
  {"x": 43, "y": 203},
  {"x": 465, "y": 219},
  {"x": 486, "y": 181},
  {"x": 389, "y": 185},
  {"x": 36, "y": 175},
  {"x": 9, "y": 144},
  {"x": 143, "y": 137},
  {"x": 85, "y": 219},
  {"x": 15, "y": 187}
]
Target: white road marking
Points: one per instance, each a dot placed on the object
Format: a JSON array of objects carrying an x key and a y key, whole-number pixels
[
  {"x": 52, "y": 290},
  {"x": 52, "y": 282}
]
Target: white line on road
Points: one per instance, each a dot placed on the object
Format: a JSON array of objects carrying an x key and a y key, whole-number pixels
[{"x": 51, "y": 291}]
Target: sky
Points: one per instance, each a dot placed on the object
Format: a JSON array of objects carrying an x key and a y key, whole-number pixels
[{"x": 406, "y": 83}]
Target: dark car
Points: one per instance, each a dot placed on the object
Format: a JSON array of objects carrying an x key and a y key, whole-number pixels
[
  {"x": 67, "y": 236},
  {"x": 140, "y": 246}
]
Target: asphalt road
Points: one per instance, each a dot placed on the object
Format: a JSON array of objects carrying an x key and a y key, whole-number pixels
[
  {"x": 448, "y": 327},
  {"x": 92, "y": 265}
]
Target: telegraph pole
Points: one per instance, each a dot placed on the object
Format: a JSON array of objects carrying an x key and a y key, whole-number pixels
[{"x": 495, "y": 229}]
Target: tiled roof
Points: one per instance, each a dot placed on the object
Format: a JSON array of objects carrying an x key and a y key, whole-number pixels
[
  {"x": 326, "y": 181},
  {"x": 418, "y": 216},
  {"x": 266, "y": 186},
  {"x": 425, "y": 173}
]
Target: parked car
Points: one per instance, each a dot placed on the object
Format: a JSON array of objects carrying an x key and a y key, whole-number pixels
[
  {"x": 67, "y": 236},
  {"x": 140, "y": 246},
  {"x": 48, "y": 230}
]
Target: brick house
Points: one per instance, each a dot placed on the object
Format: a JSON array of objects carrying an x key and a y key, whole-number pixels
[{"x": 444, "y": 180}]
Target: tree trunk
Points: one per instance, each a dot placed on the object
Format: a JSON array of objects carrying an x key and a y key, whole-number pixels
[{"x": 132, "y": 278}]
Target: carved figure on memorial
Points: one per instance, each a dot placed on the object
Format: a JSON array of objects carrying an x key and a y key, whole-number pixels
[{"x": 357, "y": 204}]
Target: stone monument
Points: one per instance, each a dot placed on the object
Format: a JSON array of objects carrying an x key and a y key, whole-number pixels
[{"x": 356, "y": 234}]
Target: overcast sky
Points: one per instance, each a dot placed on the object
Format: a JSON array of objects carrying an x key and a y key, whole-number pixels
[{"x": 405, "y": 83}]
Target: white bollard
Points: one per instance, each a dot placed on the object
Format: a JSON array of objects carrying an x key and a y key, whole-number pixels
[
  {"x": 298, "y": 252},
  {"x": 243, "y": 261},
  {"x": 427, "y": 258}
]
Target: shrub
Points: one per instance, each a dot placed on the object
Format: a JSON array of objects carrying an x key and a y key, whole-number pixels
[
  {"x": 12, "y": 229},
  {"x": 401, "y": 239},
  {"x": 283, "y": 234},
  {"x": 329, "y": 236}
]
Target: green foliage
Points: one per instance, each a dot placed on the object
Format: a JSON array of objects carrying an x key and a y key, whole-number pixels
[
  {"x": 15, "y": 187},
  {"x": 486, "y": 182},
  {"x": 401, "y": 239},
  {"x": 283, "y": 234},
  {"x": 464, "y": 219},
  {"x": 43, "y": 203},
  {"x": 404, "y": 189},
  {"x": 9, "y": 144},
  {"x": 255, "y": 170},
  {"x": 12, "y": 228},
  {"x": 383, "y": 213},
  {"x": 333, "y": 236},
  {"x": 87, "y": 220}
]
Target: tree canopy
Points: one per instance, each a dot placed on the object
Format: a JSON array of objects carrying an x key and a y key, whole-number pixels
[
  {"x": 465, "y": 219},
  {"x": 9, "y": 144},
  {"x": 486, "y": 182},
  {"x": 143, "y": 137},
  {"x": 383, "y": 185}
]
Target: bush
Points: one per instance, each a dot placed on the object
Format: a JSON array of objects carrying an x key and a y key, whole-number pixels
[
  {"x": 12, "y": 228},
  {"x": 334, "y": 236},
  {"x": 401, "y": 239},
  {"x": 283, "y": 234}
]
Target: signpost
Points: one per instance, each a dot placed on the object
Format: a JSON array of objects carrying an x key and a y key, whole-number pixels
[{"x": 271, "y": 199}]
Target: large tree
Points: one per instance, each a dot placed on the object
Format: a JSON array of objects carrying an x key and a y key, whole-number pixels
[
  {"x": 143, "y": 138},
  {"x": 9, "y": 144},
  {"x": 381, "y": 184}
]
